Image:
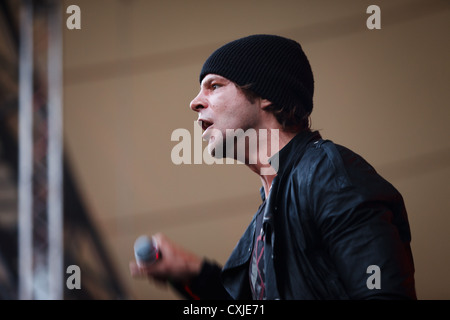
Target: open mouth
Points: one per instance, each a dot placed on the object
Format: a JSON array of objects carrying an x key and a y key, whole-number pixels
[{"x": 205, "y": 124}]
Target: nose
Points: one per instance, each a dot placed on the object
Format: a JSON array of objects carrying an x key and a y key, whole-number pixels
[{"x": 198, "y": 103}]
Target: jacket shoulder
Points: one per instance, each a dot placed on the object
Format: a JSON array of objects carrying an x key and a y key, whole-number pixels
[
  {"x": 323, "y": 161},
  {"x": 334, "y": 164}
]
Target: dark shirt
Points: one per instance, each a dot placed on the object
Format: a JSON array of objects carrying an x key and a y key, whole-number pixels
[{"x": 256, "y": 270}]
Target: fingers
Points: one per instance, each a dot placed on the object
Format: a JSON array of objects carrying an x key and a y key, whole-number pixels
[
  {"x": 141, "y": 272},
  {"x": 138, "y": 271},
  {"x": 134, "y": 269}
]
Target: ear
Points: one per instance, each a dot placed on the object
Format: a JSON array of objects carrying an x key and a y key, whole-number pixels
[{"x": 264, "y": 103}]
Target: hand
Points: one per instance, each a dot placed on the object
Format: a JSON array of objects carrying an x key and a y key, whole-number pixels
[{"x": 176, "y": 264}]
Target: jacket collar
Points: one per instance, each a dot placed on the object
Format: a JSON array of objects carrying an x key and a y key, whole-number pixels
[
  {"x": 284, "y": 159},
  {"x": 293, "y": 150}
]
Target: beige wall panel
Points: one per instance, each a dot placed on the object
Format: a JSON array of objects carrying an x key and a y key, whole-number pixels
[{"x": 132, "y": 69}]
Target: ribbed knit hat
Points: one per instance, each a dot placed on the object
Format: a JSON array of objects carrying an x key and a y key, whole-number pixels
[{"x": 276, "y": 68}]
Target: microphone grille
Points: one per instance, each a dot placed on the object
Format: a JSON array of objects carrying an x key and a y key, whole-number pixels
[{"x": 145, "y": 250}]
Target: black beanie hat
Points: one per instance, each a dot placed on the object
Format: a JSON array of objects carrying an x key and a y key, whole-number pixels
[{"x": 276, "y": 68}]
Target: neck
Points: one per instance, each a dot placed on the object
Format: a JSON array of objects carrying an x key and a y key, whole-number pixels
[{"x": 268, "y": 145}]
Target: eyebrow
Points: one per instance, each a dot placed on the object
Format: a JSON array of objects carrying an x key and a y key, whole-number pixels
[
  {"x": 211, "y": 79},
  {"x": 207, "y": 82}
]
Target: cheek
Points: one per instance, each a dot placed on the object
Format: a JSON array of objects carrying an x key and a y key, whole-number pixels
[
  {"x": 224, "y": 112},
  {"x": 234, "y": 112},
  {"x": 230, "y": 118}
]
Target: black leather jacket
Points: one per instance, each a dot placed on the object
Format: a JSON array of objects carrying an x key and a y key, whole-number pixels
[{"x": 329, "y": 219}]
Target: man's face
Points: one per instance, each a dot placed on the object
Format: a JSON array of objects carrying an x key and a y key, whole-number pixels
[{"x": 221, "y": 105}]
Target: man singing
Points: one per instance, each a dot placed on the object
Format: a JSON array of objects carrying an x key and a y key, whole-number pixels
[{"x": 328, "y": 227}]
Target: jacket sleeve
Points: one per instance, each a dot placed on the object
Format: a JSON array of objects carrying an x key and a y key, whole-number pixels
[
  {"x": 205, "y": 286},
  {"x": 363, "y": 225}
]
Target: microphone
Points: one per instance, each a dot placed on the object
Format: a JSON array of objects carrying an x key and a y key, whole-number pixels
[{"x": 146, "y": 251}]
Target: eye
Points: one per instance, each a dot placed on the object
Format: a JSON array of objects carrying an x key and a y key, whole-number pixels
[{"x": 215, "y": 86}]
